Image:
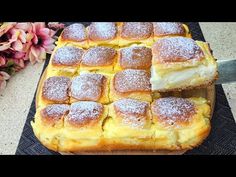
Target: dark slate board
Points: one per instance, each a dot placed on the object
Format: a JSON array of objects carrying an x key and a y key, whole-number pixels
[{"x": 222, "y": 139}]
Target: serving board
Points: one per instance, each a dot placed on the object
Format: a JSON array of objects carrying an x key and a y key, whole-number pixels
[{"x": 222, "y": 139}]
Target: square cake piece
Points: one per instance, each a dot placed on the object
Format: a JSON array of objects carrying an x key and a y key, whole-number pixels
[
  {"x": 83, "y": 127},
  {"x": 48, "y": 123},
  {"x": 90, "y": 87},
  {"x": 134, "y": 57},
  {"x": 74, "y": 34},
  {"x": 103, "y": 33},
  {"x": 169, "y": 29},
  {"x": 129, "y": 125},
  {"x": 135, "y": 32},
  {"x": 181, "y": 63},
  {"x": 180, "y": 123},
  {"x": 65, "y": 61},
  {"x": 99, "y": 59},
  {"x": 56, "y": 90},
  {"x": 131, "y": 83}
]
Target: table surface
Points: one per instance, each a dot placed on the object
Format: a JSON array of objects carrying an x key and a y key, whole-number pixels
[{"x": 20, "y": 89}]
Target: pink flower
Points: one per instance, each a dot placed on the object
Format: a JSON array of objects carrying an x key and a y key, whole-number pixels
[
  {"x": 18, "y": 38},
  {"x": 13, "y": 55},
  {"x": 4, "y": 37},
  {"x": 20, "y": 42},
  {"x": 14, "y": 36},
  {"x": 20, "y": 64},
  {"x": 2, "y": 61},
  {"x": 18, "y": 58},
  {"x": 5, "y": 27},
  {"x": 40, "y": 42},
  {"x": 3, "y": 78},
  {"x": 5, "y": 46}
]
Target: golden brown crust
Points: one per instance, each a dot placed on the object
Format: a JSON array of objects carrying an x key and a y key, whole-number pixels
[
  {"x": 168, "y": 28},
  {"x": 131, "y": 106},
  {"x": 67, "y": 56},
  {"x": 99, "y": 56},
  {"x": 176, "y": 49},
  {"x": 131, "y": 80},
  {"x": 76, "y": 148},
  {"x": 51, "y": 114},
  {"x": 56, "y": 89},
  {"x": 88, "y": 87},
  {"x": 119, "y": 145},
  {"x": 173, "y": 110},
  {"x": 114, "y": 146},
  {"x": 85, "y": 113},
  {"x": 102, "y": 31},
  {"x": 131, "y": 112},
  {"x": 75, "y": 32},
  {"x": 135, "y": 57},
  {"x": 136, "y": 30}
]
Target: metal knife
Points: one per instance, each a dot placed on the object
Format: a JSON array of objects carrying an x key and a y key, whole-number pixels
[{"x": 227, "y": 71}]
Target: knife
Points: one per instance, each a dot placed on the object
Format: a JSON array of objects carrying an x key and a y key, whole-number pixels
[{"x": 227, "y": 71}]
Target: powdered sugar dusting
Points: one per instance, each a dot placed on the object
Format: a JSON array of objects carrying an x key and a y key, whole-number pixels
[
  {"x": 87, "y": 87},
  {"x": 75, "y": 32},
  {"x": 84, "y": 112},
  {"x": 172, "y": 109},
  {"x": 132, "y": 80},
  {"x": 56, "y": 88},
  {"x": 134, "y": 121},
  {"x": 55, "y": 111},
  {"x": 99, "y": 56},
  {"x": 135, "y": 57},
  {"x": 136, "y": 30},
  {"x": 133, "y": 112},
  {"x": 102, "y": 31},
  {"x": 67, "y": 55},
  {"x": 131, "y": 106},
  {"x": 176, "y": 49},
  {"x": 168, "y": 28}
]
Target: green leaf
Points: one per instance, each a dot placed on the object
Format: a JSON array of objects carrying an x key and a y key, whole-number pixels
[
  {"x": 9, "y": 70},
  {"x": 10, "y": 63}
]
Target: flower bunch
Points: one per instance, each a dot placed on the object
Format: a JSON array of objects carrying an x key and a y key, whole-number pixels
[{"x": 21, "y": 43}]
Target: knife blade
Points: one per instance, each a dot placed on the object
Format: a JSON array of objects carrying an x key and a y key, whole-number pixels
[{"x": 227, "y": 71}]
